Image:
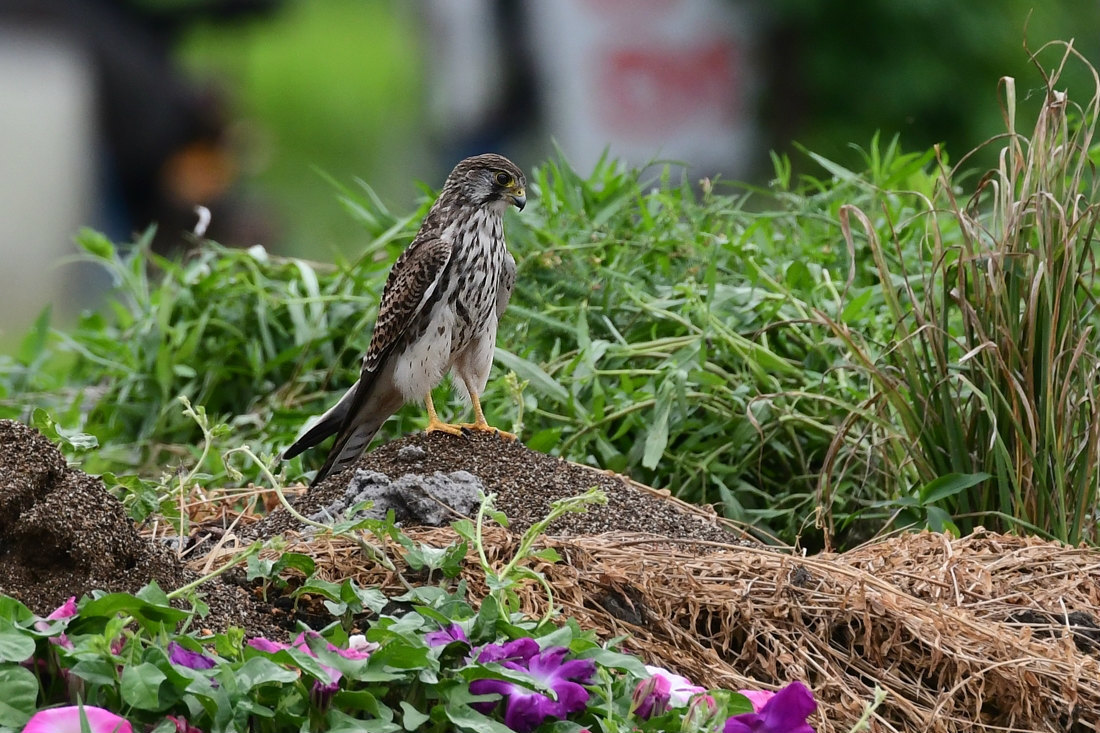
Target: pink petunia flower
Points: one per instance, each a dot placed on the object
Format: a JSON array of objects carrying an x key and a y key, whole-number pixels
[
  {"x": 65, "y": 610},
  {"x": 661, "y": 691},
  {"x": 67, "y": 720},
  {"x": 182, "y": 726},
  {"x": 785, "y": 712},
  {"x": 266, "y": 645},
  {"x": 322, "y": 690},
  {"x": 62, "y": 613},
  {"x": 758, "y": 698}
]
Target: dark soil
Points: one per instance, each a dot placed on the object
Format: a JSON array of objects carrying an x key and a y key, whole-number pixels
[
  {"x": 62, "y": 534},
  {"x": 526, "y": 484}
]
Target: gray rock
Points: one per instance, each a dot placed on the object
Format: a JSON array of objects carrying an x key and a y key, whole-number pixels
[{"x": 416, "y": 500}]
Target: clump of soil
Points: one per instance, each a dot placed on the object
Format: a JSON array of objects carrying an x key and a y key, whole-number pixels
[
  {"x": 526, "y": 484},
  {"x": 62, "y": 534}
]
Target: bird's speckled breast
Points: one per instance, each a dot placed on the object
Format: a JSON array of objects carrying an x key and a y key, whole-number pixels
[{"x": 466, "y": 303}]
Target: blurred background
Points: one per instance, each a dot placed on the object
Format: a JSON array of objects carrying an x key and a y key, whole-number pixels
[{"x": 116, "y": 114}]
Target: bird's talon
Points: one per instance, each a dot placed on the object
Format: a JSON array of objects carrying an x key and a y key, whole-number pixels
[
  {"x": 473, "y": 427},
  {"x": 438, "y": 426}
]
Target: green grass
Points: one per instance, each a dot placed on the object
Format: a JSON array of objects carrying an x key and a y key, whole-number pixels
[
  {"x": 991, "y": 371},
  {"x": 826, "y": 358}
]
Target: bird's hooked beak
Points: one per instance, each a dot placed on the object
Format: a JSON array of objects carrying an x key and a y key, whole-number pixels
[{"x": 519, "y": 198}]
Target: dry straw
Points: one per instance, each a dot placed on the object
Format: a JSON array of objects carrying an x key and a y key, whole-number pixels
[{"x": 986, "y": 633}]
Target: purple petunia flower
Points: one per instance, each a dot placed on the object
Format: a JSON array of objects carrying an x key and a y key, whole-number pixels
[
  {"x": 785, "y": 712},
  {"x": 445, "y": 636},
  {"x": 525, "y": 709},
  {"x": 184, "y": 657},
  {"x": 67, "y": 720},
  {"x": 516, "y": 651},
  {"x": 650, "y": 697}
]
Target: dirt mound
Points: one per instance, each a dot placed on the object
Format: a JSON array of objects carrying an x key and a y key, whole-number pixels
[
  {"x": 62, "y": 534},
  {"x": 526, "y": 483}
]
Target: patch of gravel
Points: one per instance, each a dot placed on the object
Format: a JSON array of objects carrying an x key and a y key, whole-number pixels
[{"x": 526, "y": 483}]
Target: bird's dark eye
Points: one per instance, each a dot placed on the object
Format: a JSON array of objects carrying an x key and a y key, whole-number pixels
[{"x": 503, "y": 178}]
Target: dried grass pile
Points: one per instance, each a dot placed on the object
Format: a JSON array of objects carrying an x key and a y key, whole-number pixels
[{"x": 984, "y": 633}]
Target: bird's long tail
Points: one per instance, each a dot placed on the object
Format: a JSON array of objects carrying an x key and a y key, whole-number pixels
[
  {"x": 354, "y": 420},
  {"x": 348, "y": 447},
  {"x": 327, "y": 425}
]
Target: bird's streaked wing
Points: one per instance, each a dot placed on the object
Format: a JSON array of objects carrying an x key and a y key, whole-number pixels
[
  {"x": 411, "y": 283},
  {"x": 410, "y": 286}
]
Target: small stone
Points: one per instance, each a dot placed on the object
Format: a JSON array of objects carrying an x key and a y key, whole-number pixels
[{"x": 411, "y": 453}]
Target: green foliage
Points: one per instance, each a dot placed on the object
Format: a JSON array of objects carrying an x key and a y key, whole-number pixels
[
  {"x": 414, "y": 668},
  {"x": 990, "y": 368}
]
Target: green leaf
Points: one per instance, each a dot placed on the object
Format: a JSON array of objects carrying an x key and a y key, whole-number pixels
[
  {"x": 467, "y": 718},
  {"x": 16, "y": 644},
  {"x": 532, "y": 373},
  {"x": 74, "y": 440},
  {"x": 96, "y": 671},
  {"x": 96, "y": 244},
  {"x": 547, "y": 554},
  {"x": 411, "y": 718},
  {"x": 152, "y": 616},
  {"x": 657, "y": 436},
  {"x": 34, "y": 343},
  {"x": 18, "y": 703},
  {"x": 324, "y": 588},
  {"x": 13, "y": 610},
  {"x": 298, "y": 561},
  {"x": 949, "y": 485},
  {"x": 152, "y": 594},
  {"x": 370, "y": 598},
  {"x": 261, "y": 671},
  {"x": 141, "y": 686},
  {"x": 259, "y": 567},
  {"x": 940, "y": 521},
  {"x": 615, "y": 660}
]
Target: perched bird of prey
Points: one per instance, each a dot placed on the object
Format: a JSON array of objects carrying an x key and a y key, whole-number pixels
[{"x": 439, "y": 312}]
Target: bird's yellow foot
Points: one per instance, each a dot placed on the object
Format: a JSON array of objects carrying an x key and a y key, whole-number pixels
[
  {"x": 436, "y": 425},
  {"x": 484, "y": 427}
]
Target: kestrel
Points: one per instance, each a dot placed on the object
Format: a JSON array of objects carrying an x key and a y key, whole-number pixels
[{"x": 439, "y": 312}]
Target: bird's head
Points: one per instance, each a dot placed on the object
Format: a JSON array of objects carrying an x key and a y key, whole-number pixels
[{"x": 488, "y": 180}]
